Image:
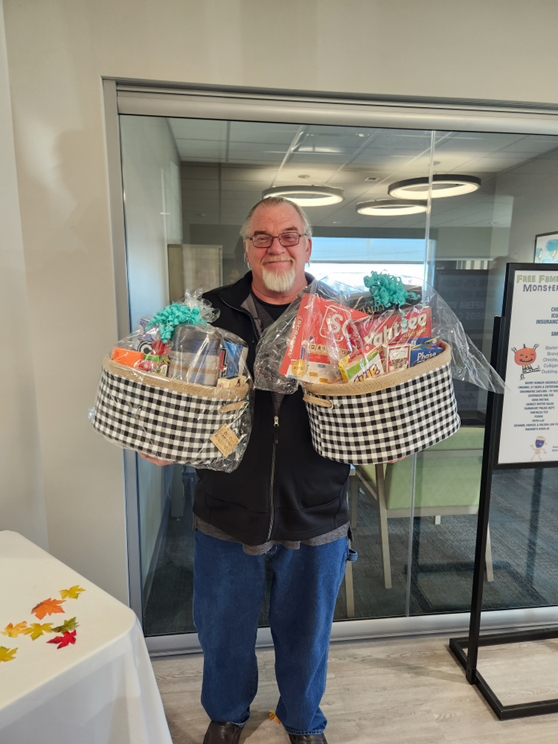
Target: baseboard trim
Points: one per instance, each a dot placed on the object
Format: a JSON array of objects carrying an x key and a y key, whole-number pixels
[{"x": 392, "y": 627}]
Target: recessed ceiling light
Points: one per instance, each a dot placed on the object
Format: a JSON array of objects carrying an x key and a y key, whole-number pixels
[
  {"x": 442, "y": 186},
  {"x": 337, "y": 223},
  {"x": 307, "y": 196},
  {"x": 389, "y": 207},
  {"x": 371, "y": 178},
  {"x": 360, "y": 134}
]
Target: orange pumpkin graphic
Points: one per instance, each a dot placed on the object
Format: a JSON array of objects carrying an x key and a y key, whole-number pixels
[{"x": 525, "y": 356}]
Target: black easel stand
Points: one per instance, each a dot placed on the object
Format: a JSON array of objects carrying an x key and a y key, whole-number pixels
[{"x": 468, "y": 659}]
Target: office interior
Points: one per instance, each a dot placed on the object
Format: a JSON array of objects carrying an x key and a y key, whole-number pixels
[{"x": 83, "y": 261}]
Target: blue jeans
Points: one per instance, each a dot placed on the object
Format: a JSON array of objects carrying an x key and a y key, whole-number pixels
[{"x": 229, "y": 588}]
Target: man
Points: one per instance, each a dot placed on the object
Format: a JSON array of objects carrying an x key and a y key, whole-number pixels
[{"x": 284, "y": 501}]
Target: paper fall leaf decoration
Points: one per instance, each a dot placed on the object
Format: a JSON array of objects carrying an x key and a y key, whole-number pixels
[
  {"x": 48, "y": 607},
  {"x": 64, "y": 640},
  {"x": 7, "y": 654},
  {"x": 273, "y": 717},
  {"x": 36, "y": 630},
  {"x": 66, "y": 626},
  {"x": 72, "y": 593},
  {"x": 12, "y": 631}
]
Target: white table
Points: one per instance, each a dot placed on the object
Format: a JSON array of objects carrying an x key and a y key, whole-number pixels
[{"x": 99, "y": 690}]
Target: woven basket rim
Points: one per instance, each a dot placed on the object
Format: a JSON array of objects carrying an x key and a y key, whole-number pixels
[
  {"x": 375, "y": 384},
  {"x": 177, "y": 386}
]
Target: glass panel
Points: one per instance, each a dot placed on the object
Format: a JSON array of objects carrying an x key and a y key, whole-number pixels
[
  {"x": 188, "y": 187},
  {"x": 476, "y": 234},
  {"x": 223, "y": 169}
]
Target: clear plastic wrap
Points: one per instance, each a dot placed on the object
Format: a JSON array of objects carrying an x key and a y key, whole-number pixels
[
  {"x": 333, "y": 333},
  {"x": 376, "y": 365},
  {"x": 178, "y": 389}
]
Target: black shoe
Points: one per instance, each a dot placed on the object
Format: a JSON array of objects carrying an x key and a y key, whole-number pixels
[
  {"x": 224, "y": 733},
  {"x": 307, "y": 739}
]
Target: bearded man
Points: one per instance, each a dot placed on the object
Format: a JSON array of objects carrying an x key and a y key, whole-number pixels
[{"x": 284, "y": 504}]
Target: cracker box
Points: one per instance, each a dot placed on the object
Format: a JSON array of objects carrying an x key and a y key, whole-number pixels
[{"x": 361, "y": 365}]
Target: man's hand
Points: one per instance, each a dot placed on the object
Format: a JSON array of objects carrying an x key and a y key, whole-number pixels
[{"x": 154, "y": 460}]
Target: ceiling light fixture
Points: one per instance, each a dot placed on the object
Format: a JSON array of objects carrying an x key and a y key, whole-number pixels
[
  {"x": 442, "y": 186},
  {"x": 307, "y": 196},
  {"x": 388, "y": 207}
]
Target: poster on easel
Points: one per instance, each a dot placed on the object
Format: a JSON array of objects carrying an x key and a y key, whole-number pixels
[{"x": 529, "y": 416}]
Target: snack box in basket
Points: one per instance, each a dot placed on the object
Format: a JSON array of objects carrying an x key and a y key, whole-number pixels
[
  {"x": 397, "y": 357},
  {"x": 361, "y": 365},
  {"x": 320, "y": 322}
]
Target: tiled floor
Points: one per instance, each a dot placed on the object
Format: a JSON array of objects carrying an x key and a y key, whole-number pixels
[{"x": 402, "y": 691}]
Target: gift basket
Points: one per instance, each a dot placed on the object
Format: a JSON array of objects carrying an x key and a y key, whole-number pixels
[
  {"x": 376, "y": 365},
  {"x": 178, "y": 389}
]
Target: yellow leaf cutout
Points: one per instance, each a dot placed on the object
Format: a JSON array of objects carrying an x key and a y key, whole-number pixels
[
  {"x": 36, "y": 630},
  {"x": 7, "y": 654},
  {"x": 67, "y": 626},
  {"x": 72, "y": 593},
  {"x": 12, "y": 631}
]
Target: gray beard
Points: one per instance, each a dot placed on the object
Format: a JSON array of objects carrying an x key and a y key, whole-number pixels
[{"x": 279, "y": 281}]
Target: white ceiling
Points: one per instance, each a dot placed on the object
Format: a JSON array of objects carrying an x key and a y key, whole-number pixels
[{"x": 227, "y": 165}]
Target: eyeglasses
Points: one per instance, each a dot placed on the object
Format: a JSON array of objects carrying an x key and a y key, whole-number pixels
[{"x": 286, "y": 239}]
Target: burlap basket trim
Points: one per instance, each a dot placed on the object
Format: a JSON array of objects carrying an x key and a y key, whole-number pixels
[
  {"x": 178, "y": 386},
  {"x": 374, "y": 384}
]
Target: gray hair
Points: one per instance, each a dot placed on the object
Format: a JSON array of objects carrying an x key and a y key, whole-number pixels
[{"x": 275, "y": 201}]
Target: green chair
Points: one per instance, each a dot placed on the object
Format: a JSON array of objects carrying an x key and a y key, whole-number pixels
[{"x": 447, "y": 483}]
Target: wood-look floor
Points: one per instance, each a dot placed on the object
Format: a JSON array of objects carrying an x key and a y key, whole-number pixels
[{"x": 401, "y": 691}]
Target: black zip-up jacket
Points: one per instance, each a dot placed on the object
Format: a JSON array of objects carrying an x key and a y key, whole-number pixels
[{"x": 282, "y": 489}]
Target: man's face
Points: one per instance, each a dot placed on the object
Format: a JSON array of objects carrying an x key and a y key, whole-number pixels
[{"x": 278, "y": 268}]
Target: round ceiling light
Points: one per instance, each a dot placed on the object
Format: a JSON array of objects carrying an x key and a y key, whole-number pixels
[
  {"x": 307, "y": 196},
  {"x": 442, "y": 185},
  {"x": 388, "y": 207}
]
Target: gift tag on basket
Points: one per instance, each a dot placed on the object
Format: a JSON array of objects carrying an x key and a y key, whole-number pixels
[{"x": 225, "y": 440}]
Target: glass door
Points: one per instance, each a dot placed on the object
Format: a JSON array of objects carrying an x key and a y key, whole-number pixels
[{"x": 189, "y": 183}]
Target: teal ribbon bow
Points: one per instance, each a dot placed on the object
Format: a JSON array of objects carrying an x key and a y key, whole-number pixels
[
  {"x": 171, "y": 316},
  {"x": 387, "y": 290}
]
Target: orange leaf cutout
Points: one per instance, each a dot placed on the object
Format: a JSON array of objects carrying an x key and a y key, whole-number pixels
[
  {"x": 48, "y": 607},
  {"x": 65, "y": 639},
  {"x": 72, "y": 593},
  {"x": 12, "y": 631},
  {"x": 36, "y": 630},
  {"x": 273, "y": 717},
  {"x": 7, "y": 654}
]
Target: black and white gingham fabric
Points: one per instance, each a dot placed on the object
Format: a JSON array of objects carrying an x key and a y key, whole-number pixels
[
  {"x": 167, "y": 424},
  {"x": 387, "y": 424}
]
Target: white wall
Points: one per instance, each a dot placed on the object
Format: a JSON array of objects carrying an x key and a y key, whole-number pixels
[
  {"x": 59, "y": 49},
  {"x": 22, "y": 505}
]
